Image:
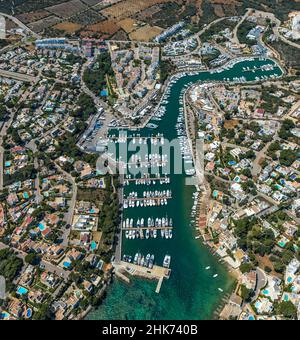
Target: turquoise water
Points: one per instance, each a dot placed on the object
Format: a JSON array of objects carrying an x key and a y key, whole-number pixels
[
  {"x": 191, "y": 293},
  {"x": 22, "y": 291}
]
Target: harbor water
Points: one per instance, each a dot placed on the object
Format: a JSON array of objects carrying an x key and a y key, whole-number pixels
[{"x": 198, "y": 281}]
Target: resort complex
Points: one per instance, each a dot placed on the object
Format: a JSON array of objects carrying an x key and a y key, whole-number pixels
[{"x": 149, "y": 160}]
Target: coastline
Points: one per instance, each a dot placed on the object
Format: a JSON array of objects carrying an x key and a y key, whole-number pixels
[{"x": 232, "y": 274}]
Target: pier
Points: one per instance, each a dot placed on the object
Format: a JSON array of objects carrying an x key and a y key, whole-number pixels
[
  {"x": 148, "y": 228},
  {"x": 132, "y": 199},
  {"x": 156, "y": 273},
  {"x": 146, "y": 179}
]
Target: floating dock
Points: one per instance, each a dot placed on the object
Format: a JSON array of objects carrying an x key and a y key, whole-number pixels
[
  {"x": 148, "y": 228},
  {"x": 148, "y": 199}
]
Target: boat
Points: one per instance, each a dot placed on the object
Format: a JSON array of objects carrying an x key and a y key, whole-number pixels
[
  {"x": 167, "y": 261},
  {"x": 221, "y": 290},
  {"x": 216, "y": 275},
  {"x": 207, "y": 268},
  {"x": 167, "y": 234},
  {"x": 147, "y": 234},
  {"x": 135, "y": 261},
  {"x": 147, "y": 262},
  {"x": 151, "y": 262}
]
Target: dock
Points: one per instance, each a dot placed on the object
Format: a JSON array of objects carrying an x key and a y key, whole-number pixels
[
  {"x": 148, "y": 198},
  {"x": 156, "y": 273},
  {"x": 158, "y": 288},
  {"x": 146, "y": 179},
  {"x": 148, "y": 228}
]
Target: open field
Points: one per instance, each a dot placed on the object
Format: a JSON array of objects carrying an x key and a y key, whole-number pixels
[
  {"x": 146, "y": 33},
  {"x": 68, "y": 9},
  {"x": 128, "y": 25},
  {"x": 68, "y": 27},
  {"x": 40, "y": 25},
  {"x": 107, "y": 26},
  {"x": 34, "y": 16},
  {"x": 88, "y": 17},
  {"x": 92, "y": 2},
  {"x": 128, "y": 8}
]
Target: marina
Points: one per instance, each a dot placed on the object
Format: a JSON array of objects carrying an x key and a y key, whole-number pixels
[{"x": 179, "y": 297}]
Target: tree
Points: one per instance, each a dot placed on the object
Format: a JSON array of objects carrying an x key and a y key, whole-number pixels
[
  {"x": 246, "y": 267},
  {"x": 288, "y": 310},
  {"x": 246, "y": 293},
  {"x": 32, "y": 259}
]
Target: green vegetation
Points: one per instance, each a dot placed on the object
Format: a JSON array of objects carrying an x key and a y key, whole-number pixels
[
  {"x": 74, "y": 59},
  {"x": 32, "y": 259},
  {"x": 287, "y": 157},
  {"x": 290, "y": 54},
  {"x": 166, "y": 68},
  {"x": 208, "y": 58},
  {"x": 109, "y": 221},
  {"x": 86, "y": 109},
  {"x": 96, "y": 77},
  {"x": 253, "y": 237},
  {"x": 243, "y": 31},
  {"x": 26, "y": 173},
  {"x": 217, "y": 28},
  {"x": 246, "y": 294},
  {"x": 287, "y": 309},
  {"x": 286, "y": 127},
  {"x": 10, "y": 266}
]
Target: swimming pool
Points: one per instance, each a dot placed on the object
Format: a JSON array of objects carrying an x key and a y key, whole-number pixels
[
  {"x": 67, "y": 264},
  {"x": 4, "y": 316},
  {"x": 41, "y": 227},
  {"x": 290, "y": 279},
  {"x": 286, "y": 298},
  {"x": 22, "y": 291},
  {"x": 29, "y": 313},
  {"x": 266, "y": 292},
  {"x": 93, "y": 245},
  {"x": 258, "y": 304},
  {"x": 282, "y": 243}
]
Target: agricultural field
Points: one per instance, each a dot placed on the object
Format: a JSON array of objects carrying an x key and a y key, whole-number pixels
[
  {"x": 128, "y": 25},
  {"x": 106, "y": 27},
  {"x": 128, "y": 8},
  {"x": 146, "y": 33},
  {"x": 33, "y": 16},
  {"x": 110, "y": 18},
  {"x": 87, "y": 17},
  {"x": 41, "y": 25},
  {"x": 67, "y": 27},
  {"x": 68, "y": 9}
]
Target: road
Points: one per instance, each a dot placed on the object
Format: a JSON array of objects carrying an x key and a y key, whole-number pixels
[
  {"x": 19, "y": 76},
  {"x": 261, "y": 282},
  {"x": 21, "y": 25},
  {"x": 69, "y": 215},
  {"x": 235, "y": 39},
  {"x": 256, "y": 169}
]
